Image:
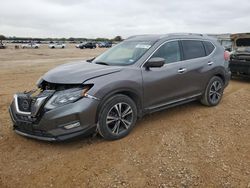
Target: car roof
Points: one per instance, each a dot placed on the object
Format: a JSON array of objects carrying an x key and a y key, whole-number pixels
[{"x": 156, "y": 37}]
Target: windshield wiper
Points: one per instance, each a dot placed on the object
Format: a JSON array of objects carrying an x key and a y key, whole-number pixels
[{"x": 101, "y": 63}]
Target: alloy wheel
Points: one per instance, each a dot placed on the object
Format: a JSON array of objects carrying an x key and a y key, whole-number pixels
[
  {"x": 215, "y": 91},
  {"x": 119, "y": 118}
]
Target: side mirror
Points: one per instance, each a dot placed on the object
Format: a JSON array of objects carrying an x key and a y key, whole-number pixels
[{"x": 154, "y": 62}]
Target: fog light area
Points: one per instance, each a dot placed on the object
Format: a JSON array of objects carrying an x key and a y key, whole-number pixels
[{"x": 73, "y": 125}]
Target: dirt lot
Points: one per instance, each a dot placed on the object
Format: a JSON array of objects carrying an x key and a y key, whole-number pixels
[{"x": 186, "y": 146}]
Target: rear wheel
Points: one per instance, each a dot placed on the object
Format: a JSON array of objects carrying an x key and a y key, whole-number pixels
[
  {"x": 213, "y": 93},
  {"x": 117, "y": 117}
]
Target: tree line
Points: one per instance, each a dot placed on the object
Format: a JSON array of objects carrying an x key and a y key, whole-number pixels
[{"x": 71, "y": 39}]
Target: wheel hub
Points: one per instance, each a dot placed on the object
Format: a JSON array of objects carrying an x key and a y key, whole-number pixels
[{"x": 119, "y": 118}]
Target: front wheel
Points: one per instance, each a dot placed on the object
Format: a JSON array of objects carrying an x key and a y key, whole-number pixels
[
  {"x": 214, "y": 91},
  {"x": 117, "y": 117}
]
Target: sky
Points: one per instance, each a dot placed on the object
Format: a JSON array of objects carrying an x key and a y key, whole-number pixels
[{"x": 109, "y": 18}]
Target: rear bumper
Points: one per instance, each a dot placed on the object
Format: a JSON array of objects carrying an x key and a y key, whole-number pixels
[
  {"x": 240, "y": 67},
  {"x": 51, "y": 125}
]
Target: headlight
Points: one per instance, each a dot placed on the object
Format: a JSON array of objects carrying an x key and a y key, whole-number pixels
[{"x": 61, "y": 98}]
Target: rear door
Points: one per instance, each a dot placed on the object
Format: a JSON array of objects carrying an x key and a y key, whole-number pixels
[{"x": 199, "y": 62}]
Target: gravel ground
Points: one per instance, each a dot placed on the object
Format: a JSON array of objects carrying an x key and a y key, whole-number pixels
[{"x": 186, "y": 146}]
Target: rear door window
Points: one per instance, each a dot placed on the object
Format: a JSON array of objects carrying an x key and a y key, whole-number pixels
[
  {"x": 170, "y": 51},
  {"x": 193, "y": 49},
  {"x": 209, "y": 47}
]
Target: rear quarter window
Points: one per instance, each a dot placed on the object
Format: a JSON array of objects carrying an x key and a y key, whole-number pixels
[
  {"x": 193, "y": 49},
  {"x": 209, "y": 47}
]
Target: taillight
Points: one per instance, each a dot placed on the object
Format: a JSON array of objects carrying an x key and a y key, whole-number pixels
[{"x": 226, "y": 55}]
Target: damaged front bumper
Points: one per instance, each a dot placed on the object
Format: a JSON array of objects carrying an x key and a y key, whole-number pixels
[{"x": 31, "y": 119}]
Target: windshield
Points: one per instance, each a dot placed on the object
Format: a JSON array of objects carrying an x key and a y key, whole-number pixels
[{"x": 125, "y": 53}]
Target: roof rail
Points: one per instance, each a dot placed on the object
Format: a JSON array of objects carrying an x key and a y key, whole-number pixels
[
  {"x": 168, "y": 34},
  {"x": 198, "y": 34},
  {"x": 133, "y": 36}
]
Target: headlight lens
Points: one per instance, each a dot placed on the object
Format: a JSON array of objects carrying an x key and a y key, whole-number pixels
[{"x": 61, "y": 98}]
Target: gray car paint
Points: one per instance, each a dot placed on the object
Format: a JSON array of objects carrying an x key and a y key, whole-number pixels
[{"x": 77, "y": 72}]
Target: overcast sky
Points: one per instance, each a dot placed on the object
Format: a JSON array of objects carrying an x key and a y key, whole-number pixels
[{"x": 107, "y": 18}]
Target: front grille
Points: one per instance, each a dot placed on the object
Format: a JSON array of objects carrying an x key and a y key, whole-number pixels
[
  {"x": 24, "y": 103},
  {"x": 26, "y": 118},
  {"x": 28, "y": 103}
]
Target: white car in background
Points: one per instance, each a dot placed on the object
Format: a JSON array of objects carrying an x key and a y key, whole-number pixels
[
  {"x": 78, "y": 45},
  {"x": 57, "y": 45},
  {"x": 30, "y": 45}
]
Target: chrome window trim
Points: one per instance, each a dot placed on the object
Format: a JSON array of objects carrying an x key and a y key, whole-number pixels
[{"x": 181, "y": 39}]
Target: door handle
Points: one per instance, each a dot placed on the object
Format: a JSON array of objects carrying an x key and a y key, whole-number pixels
[
  {"x": 182, "y": 70},
  {"x": 210, "y": 63}
]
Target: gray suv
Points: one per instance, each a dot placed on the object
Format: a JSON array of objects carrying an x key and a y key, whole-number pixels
[{"x": 140, "y": 75}]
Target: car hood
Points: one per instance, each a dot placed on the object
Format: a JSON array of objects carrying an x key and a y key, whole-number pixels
[{"x": 78, "y": 72}]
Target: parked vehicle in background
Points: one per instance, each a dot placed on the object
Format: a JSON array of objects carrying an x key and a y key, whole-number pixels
[
  {"x": 78, "y": 45},
  {"x": 240, "y": 56},
  {"x": 90, "y": 45},
  {"x": 57, "y": 45},
  {"x": 140, "y": 75},
  {"x": 30, "y": 45},
  {"x": 226, "y": 43},
  {"x": 105, "y": 44},
  {"x": 2, "y": 46}
]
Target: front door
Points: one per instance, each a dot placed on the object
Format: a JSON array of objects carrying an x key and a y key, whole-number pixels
[{"x": 169, "y": 83}]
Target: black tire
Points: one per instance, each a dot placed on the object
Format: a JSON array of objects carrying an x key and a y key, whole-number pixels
[
  {"x": 62, "y": 47},
  {"x": 214, "y": 91},
  {"x": 111, "y": 125}
]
